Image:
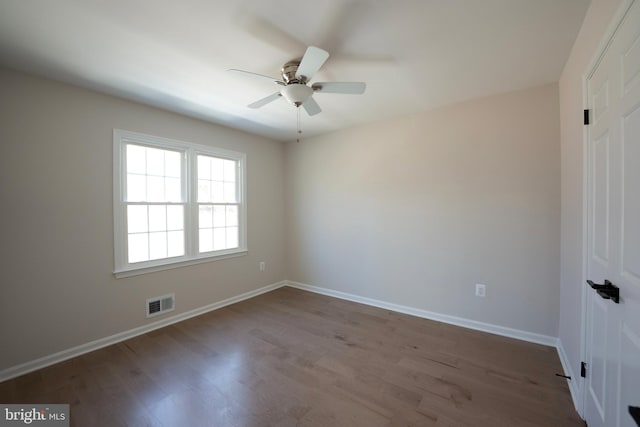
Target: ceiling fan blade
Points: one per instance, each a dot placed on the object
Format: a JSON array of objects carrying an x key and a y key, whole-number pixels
[
  {"x": 353, "y": 88},
  {"x": 311, "y": 107},
  {"x": 267, "y": 32},
  {"x": 347, "y": 20},
  {"x": 260, "y": 76},
  {"x": 311, "y": 62},
  {"x": 264, "y": 101}
]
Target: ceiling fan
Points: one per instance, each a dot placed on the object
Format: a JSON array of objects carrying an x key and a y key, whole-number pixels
[{"x": 296, "y": 75}]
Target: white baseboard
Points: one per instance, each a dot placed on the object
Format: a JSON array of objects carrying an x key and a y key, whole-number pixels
[
  {"x": 459, "y": 321},
  {"x": 574, "y": 382},
  {"x": 61, "y": 356},
  {"x": 445, "y": 318},
  {"x": 16, "y": 371}
]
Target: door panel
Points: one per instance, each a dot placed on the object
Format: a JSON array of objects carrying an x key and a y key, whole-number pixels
[
  {"x": 601, "y": 203},
  {"x": 599, "y": 343},
  {"x": 629, "y": 373},
  {"x": 597, "y": 380},
  {"x": 631, "y": 194},
  {"x": 600, "y": 99},
  {"x": 630, "y": 57},
  {"x": 613, "y": 225},
  {"x": 599, "y": 188}
]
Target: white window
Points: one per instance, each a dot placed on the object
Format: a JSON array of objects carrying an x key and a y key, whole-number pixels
[{"x": 175, "y": 203}]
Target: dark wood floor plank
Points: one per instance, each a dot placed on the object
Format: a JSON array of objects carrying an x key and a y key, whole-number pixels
[{"x": 293, "y": 358}]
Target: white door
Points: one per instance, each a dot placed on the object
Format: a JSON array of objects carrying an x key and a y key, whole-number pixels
[{"x": 612, "y": 383}]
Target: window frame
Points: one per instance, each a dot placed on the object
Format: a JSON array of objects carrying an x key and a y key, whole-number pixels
[{"x": 189, "y": 186}]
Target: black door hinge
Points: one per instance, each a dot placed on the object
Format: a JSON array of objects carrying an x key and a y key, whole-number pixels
[
  {"x": 586, "y": 117},
  {"x": 583, "y": 369}
]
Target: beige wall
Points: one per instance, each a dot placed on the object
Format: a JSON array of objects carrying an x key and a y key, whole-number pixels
[
  {"x": 418, "y": 209},
  {"x": 56, "y": 219},
  {"x": 591, "y": 34},
  {"x": 412, "y": 211}
]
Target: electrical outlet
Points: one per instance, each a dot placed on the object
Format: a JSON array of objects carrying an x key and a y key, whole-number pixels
[
  {"x": 262, "y": 265},
  {"x": 481, "y": 290}
]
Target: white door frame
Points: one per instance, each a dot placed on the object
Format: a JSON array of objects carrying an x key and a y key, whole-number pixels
[{"x": 586, "y": 161}]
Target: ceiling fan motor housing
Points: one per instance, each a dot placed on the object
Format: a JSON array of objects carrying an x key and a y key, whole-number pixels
[{"x": 289, "y": 71}]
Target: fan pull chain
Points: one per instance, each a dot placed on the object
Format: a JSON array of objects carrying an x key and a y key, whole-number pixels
[{"x": 298, "y": 125}]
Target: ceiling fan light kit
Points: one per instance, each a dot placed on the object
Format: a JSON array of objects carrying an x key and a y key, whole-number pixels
[{"x": 296, "y": 93}]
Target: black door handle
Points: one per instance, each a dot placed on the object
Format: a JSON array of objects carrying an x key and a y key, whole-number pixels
[
  {"x": 596, "y": 286},
  {"x": 612, "y": 294},
  {"x": 607, "y": 290},
  {"x": 635, "y": 414}
]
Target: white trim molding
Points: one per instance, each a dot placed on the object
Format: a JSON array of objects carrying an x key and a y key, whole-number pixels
[
  {"x": 187, "y": 156},
  {"x": 445, "y": 318},
  {"x": 574, "y": 386},
  {"x": 580, "y": 395},
  {"x": 43, "y": 362},
  {"x": 61, "y": 356},
  {"x": 574, "y": 382}
]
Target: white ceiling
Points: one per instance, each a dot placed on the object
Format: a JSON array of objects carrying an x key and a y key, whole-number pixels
[{"x": 413, "y": 54}]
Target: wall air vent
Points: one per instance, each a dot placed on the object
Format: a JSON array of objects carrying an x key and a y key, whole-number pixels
[{"x": 159, "y": 305}]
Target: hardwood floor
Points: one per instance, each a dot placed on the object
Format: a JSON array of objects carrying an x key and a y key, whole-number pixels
[{"x": 293, "y": 358}]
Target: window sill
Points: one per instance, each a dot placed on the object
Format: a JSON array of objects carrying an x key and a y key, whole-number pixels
[{"x": 119, "y": 274}]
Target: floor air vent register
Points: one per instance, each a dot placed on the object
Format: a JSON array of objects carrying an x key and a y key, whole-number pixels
[{"x": 160, "y": 305}]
